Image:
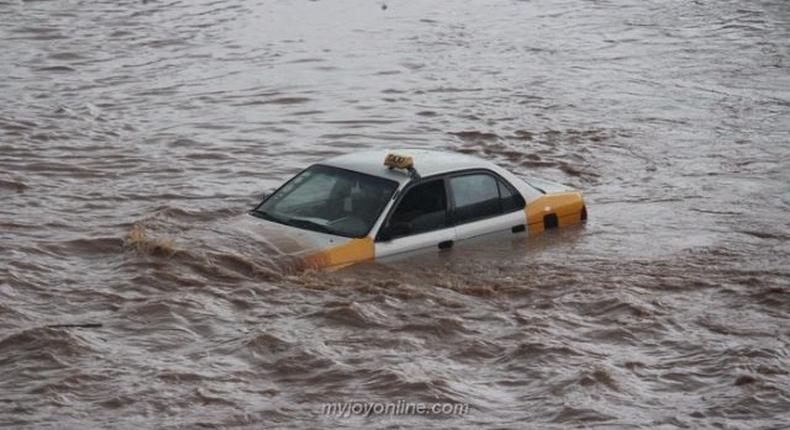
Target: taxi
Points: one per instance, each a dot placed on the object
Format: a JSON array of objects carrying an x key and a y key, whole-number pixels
[{"x": 377, "y": 204}]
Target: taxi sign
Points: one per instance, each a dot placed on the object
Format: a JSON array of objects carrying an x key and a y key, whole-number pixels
[{"x": 394, "y": 161}]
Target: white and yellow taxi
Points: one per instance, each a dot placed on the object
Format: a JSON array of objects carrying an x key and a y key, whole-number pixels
[{"x": 371, "y": 205}]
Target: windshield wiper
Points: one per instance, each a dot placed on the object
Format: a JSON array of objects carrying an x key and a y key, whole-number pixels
[
  {"x": 310, "y": 225},
  {"x": 295, "y": 222},
  {"x": 266, "y": 215}
]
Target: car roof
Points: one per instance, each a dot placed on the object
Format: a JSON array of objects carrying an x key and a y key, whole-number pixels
[{"x": 426, "y": 162}]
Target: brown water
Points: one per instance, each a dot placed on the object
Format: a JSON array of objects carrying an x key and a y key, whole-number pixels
[{"x": 134, "y": 135}]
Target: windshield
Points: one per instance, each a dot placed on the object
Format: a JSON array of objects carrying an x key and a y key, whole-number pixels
[{"x": 329, "y": 200}]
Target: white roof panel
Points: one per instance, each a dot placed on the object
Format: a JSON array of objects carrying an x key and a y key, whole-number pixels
[{"x": 426, "y": 163}]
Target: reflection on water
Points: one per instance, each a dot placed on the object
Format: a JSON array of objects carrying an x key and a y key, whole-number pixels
[{"x": 134, "y": 136}]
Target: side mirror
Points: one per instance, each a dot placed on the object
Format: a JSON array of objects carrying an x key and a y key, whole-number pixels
[{"x": 395, "y": 230}]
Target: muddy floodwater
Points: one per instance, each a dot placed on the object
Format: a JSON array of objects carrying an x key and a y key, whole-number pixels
[{"x": 135, "y": 135}]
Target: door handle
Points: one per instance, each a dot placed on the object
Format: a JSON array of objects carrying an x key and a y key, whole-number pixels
[
  {"x": 518, "y": 228},
  {"x": 447, "y": 244}
]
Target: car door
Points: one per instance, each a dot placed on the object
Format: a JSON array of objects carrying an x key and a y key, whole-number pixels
[
  {"x": 419, "y": 220},
  {"x": 482, "y": 204}
]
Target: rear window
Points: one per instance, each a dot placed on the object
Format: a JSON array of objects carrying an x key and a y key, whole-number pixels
[
  {"x": 510, "y": 198},
  {"x": 481, "y": 195},
  {"x": 475, "y": 196}
]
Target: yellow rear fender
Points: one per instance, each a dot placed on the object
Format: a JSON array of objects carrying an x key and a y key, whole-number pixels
[{"x": 559, "y": 209}]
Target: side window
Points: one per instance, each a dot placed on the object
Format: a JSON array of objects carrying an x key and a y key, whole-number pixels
[
  {"x": 422, "y": 209},
  {"x": 476, "y": 196},
  {"x": 510, "y": 198}
]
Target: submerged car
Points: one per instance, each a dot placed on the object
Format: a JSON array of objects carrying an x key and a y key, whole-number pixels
[{"x": 371, "y": 205}]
